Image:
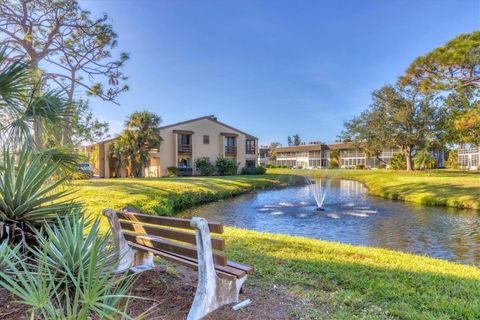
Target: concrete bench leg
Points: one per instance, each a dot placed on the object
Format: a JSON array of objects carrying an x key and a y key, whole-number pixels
[
  {"x": 212, "y": 291},
  {"x": 128, "y": 258}
]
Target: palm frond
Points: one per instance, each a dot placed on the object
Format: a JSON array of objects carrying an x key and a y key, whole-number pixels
[
  {"x": 29, "y": 196},
  {"x": 74, "y": 274}
]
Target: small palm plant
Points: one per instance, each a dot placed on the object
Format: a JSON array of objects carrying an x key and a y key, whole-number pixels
[
  {"x": 69, "y": 275},
  {"x": 424, "y": 160},
  {"x": 29, "y": 194}
]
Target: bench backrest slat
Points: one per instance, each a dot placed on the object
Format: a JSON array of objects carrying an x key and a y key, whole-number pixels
[
  {"x": 168, "y": 246},
  {"x": 167, "y": 221},
  {"x": 188, "y": 237}
]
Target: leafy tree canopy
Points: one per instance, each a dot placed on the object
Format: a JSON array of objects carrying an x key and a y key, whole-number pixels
[
  {"x": 454, "y": 65},
  {"x": 396, "y": 118}
]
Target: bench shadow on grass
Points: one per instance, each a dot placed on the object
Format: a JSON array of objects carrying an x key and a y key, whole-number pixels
[{"x": 335, "y": 281}]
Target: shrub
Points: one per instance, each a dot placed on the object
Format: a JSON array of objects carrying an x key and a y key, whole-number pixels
[
  {"x": 381, "y": 166},
  {"x": 398, "y": 162},
  {"x": 260, "y": 170},
  {"x": 452, "y": 159},
  {"x": 172, "y": 171},
  {"x": 254, "y": 170},
  {"x": 69, "y": 275},
  {"x": 204, "y": 166},
  {"x": 30, "y": 196},
  {"x": 79, "y": 176},
  {"x": 360, "y": 167},
  {"x": 226, "y": 166}
]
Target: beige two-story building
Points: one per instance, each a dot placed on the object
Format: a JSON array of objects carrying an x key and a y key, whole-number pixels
[{"x": 183, "y": 143}]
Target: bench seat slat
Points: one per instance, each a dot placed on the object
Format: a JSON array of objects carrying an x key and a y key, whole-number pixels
[
  {"x": 181, "y": 260},
  {"x": 230, "y": 270},
  {"x": 225, "y": 269},
  {"x": 214, "y": 227},
  {"x": 240, "y": 266},
  {"x": 217, "y": 243},
  {"x": 168, "y": 246}
]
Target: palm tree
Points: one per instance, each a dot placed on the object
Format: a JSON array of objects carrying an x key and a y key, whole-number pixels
[
  {"x": 25, "y": 111},
  {"x": 133, "y": 147},
  {"x": 334, "y": 158},
  {"x": 424, "y": 160}
]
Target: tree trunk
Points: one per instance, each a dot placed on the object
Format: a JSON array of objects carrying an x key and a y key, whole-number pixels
[
  {"x": 37, "y": 123},
  {"x": 38, "y": 134},
  {"x": 66, "y": 130},
  {"x": 408, "y": 156}
]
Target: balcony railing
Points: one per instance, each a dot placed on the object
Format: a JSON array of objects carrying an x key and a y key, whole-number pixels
[
  {"x": 185, "y": 149},
  {"x": 230, "y": 150}
]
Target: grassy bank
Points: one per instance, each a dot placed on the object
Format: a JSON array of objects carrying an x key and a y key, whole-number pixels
[
  {"x": 350, "y": 282},
  {"x": 167, "y": 196},
  {"x": 337, "y": 281},
  {"x": 457, "y": 189}
]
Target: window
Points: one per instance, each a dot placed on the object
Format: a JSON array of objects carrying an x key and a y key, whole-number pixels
[
  {"x": 230, "y": 142},
  {"x": 184, "y": 139},
  {"x": 206, "y": 139},
  {"x": 250, "y": 146},
  {"x": 230, "y": 146}
]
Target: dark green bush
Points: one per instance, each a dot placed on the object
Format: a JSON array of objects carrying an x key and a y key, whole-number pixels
[
  {"x": 204, "y": 166},
  {"x": 172, "y": 171},
  {"x": 360, "y": 167},
  {"x": 254, "y": 170},
  {"x": 226, "y": 166},
  {"x": 260, "y": 170},
  {"x": 381, "y": 166}
]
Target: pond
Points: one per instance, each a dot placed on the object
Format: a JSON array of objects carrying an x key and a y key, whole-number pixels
[{"x": 352, "y": 216}]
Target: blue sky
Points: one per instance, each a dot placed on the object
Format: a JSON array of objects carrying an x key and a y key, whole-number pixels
[{"x": 271, "y": 68}]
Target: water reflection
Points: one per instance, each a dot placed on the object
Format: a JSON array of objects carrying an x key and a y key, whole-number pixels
[{"x": 353, "y": 217}]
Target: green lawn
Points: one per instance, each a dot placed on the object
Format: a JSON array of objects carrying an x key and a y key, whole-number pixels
[
  {"x": 351, "y": 282},
  {"x": 337, "y": 281},
  {"x": 168, "y": 196},
  {"x": 458, "y": 189}
]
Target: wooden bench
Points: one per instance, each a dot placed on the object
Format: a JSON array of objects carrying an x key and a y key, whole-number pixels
[{"x": 138, "y": 237}]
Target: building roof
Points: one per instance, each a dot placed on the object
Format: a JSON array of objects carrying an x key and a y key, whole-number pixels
[
  {"x": 316, "y": 147},
  {"x": 340, "y": 145},
  {"x": 304, "y": 147},
  {"x": 211, "y": 118}
]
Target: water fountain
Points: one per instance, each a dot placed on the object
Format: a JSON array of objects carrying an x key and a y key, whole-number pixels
[{"x": 318, "y": 188}]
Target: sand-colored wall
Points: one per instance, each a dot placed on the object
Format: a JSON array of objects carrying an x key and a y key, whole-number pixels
[{"x": 199, "y": 149}]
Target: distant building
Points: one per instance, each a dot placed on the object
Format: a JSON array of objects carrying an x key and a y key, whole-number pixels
[
  {"x": 183, "y": 143},
  {"x": 469, "y": 156},
  {"x": 318, "y": 156},
  {"x": 263, "y": 157}
]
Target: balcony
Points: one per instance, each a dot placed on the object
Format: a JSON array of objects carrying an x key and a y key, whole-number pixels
[
  {"x": 250, "y": 150},
  {"x": 230, "y": 150},
  {"x": 184, "y": 149}
]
